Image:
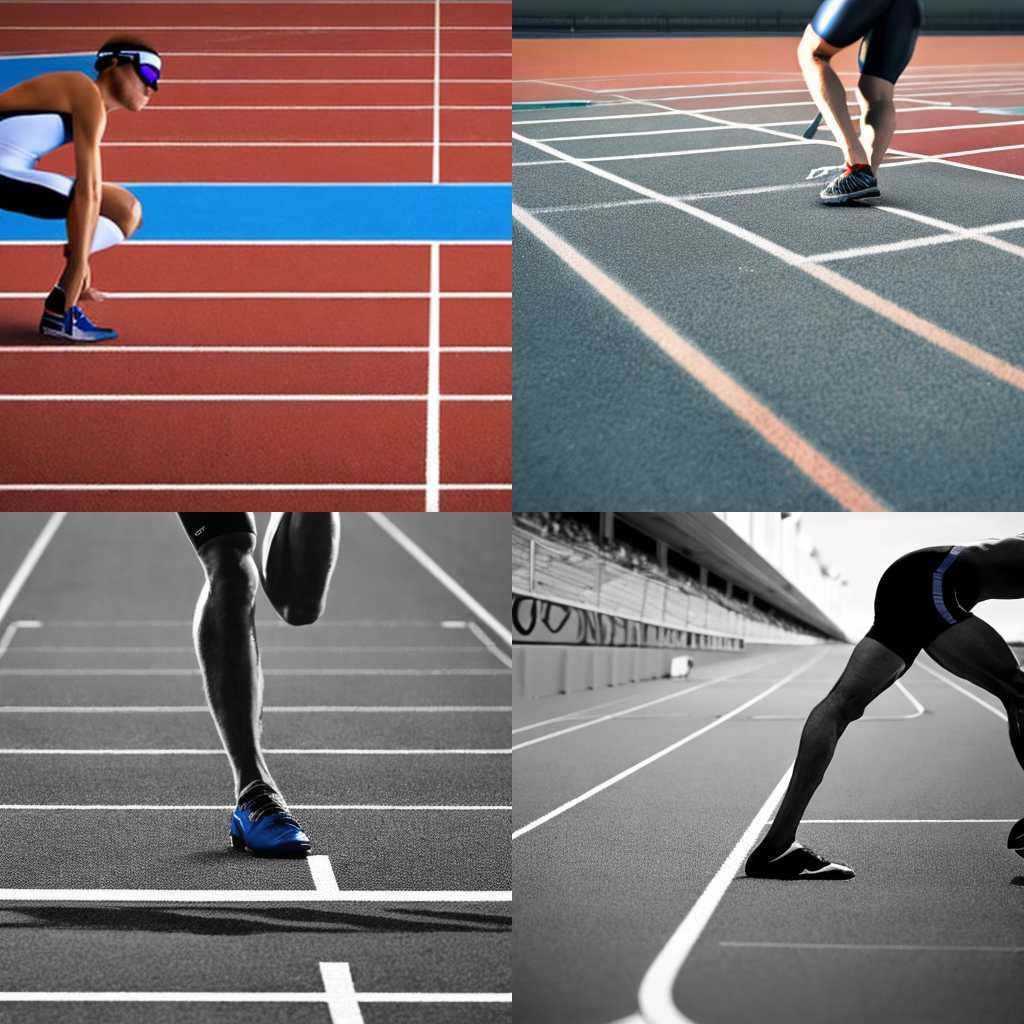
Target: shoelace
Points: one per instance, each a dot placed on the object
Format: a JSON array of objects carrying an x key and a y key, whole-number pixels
[{"x": 259, "y": 799}]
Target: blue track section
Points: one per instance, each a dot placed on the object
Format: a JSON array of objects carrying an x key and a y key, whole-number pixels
[{"x": 274, "y": 212}]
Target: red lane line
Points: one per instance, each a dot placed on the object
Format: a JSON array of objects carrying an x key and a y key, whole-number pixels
[
  {"x": 235, "y": 322},
  {"x": 190, "y": 442},
  {"x": 229, "y": 163},
  {"x": 947, "y": 140},
  {"x": 366, "y": 500},
  {"x": 284, "y": 268},
  {"x": 476, "y": 322},
  {"x": 156, "y": 373},
  {"x": 275, "y": 126},
  {"x": 473, "y": 373},
  {"x": 461, "y": 501},
  {"x": 476, "y": 268},
  {"x": 476, "y": 442}
]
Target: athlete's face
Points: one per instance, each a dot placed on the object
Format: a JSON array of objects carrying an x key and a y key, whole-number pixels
[{"x": 128, "y": 88}]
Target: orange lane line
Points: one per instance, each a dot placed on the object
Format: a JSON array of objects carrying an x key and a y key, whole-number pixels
[{"x": 687, "y": 356}]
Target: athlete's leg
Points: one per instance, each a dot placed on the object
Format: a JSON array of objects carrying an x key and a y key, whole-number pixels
[
  {"x": 225, "y": 638},
  {"x": 871, "y": 669},
  {"x": 828, "y": 92},
  {"x": 300, "y": 550},
  {"x": 878, "y": 117},
  {"x": 974, "y": 651}
]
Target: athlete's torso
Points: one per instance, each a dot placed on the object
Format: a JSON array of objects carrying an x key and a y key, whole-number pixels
[
  {"x": 36, "y": 118},
  {"x": 995, "y": 568}
]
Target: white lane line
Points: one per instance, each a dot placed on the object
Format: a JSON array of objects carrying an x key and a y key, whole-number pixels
[
  {"x": 71, "y": 397},
  {"x": 744, "y": 670},
  {"x": 447, "y": 581},
  {"x": 176, "y": 996},
  {"x": 251, "y": 896},
  {"x": 967, "y": 693},
  {"x": 148, "y": 709},
  {"x": 258, "y": 349},
  {"x": 342, "y": 1002},
  {"x": 873, "y": 946},
  {"x": 489, "y": 644},
  {"x": 90, "y": 488},
  {"x": 656, "y": 1003},
  {"x": 246, "y": 243},
  {"x": 432, "y": 467},
  {"x": 304, "y": 144},
  {"x": 919, "y": 709},
  {"x": 908, "y": 821},
  {"x": 191, "y": 751},
  {"x": 659, "y": 155},
  {"x": 981, "y": 234},
  {"x": 435, "y": 174},
  {"x": 322, "y": 873},
  {"x": 228, "y": 807},
  {"x": 672, "y": 747},
  {"x": 250, "y": 296},
  {"x": 28, "y": 563},
  {"x": 47, "y": 672},
  {"x": 569, "y": 715},
  {"x": 9, "y": 633}
]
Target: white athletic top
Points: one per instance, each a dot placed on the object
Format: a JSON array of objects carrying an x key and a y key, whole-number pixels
[{"x": 28, "y": 135}]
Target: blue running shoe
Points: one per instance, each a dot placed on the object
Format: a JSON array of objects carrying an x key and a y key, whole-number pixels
[
  {"x": 73, "y": 325},
  {"x": 263, "y": 825}
]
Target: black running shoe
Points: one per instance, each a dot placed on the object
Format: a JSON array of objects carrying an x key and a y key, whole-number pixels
[
  {"x": 1015, "y": 841},
  {"x": 796, "y": 862},
  {"x": 856, "y": 182}
]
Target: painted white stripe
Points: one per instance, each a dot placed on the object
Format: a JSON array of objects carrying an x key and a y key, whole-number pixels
[
  {"x": 432, "y": 470},
  {"x": 228, "y": 807},
  {"x": 28, "y": 563},
  {"x": 322, "y": 873},
  {"x": 257, "y": 349},
  {"x": 869, "y": 946},
  {"x": 302, "y": 145},
  {"x": 570, "y": 715},
  {"x": 176, "y": 996},
  {"x": 11, "y": 630},
  {"x": 88, "y": 488},
  {"x": 908, "y": 821},
  {"x": 73, "y": 397},
  {"x": 960, "y": 689},
  {"x": 246, "y": 243},
  {"x": 249, "y": 896},
  {"x": 656, "y": 1003},
  {"x": 661, "y": 154},
  {"x": 671, "y": 748},
  {"x": 249, "y": 296},
  {"x": 185, "y": 672},
  {"x": 161, "y": 709},
  {"x": 919, "y": 709},
  {"x": 435, "y": 173},
  {"x": 342, "y": 1002},
  {"x": 490, "y": 645},
  {"x": 447, "y": 581},
  {"x": 195, "y": 751}
]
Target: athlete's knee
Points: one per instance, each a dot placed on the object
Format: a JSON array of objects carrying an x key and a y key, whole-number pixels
[
  {"x": 231, "y": 567},
  {"x": 812, "y": 48},
  {"x": 134, "y": 217}
]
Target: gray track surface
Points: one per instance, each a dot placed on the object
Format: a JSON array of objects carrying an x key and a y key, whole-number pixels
[
  {"x": 602, "y": 887},
  {"x": 112, "y": 567},
  {"x": 598, "y": 410}
]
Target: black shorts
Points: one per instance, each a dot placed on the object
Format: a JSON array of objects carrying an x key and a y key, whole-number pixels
[
  {"x": 918, "y": 597},
  {"x": 888, "y": 28},
  {"x": 202, "y": 527}
]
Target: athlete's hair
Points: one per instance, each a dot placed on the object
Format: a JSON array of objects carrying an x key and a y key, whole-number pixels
[{"x": 121, "y": 43}]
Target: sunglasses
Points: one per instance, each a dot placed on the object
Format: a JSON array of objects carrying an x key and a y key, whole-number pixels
[{"x": 146, "y": 64}]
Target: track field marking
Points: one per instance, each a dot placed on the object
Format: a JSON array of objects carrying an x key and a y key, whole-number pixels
[
  {"x": 28, "y": 563},
  {"x": 447, "y": 581},
  {"x": 871, "y": 947},
  {"x": 342, "y": 1001},
  {"x": 260, "y": 349},
  {"x": 927, "y": 331},
  {"x": 435, "y": 173},
  {"x": 248, "y": 896},
  {"x": 228, "y": 807},
  {"x": 334, "y": 106},
  {"x": 740, "y": 671},
  {"x": 75, "y": 397},
  {"x": 12, "y": 628},
  {"x": 570, "y": 714},
  {"x": 655, "y": 156},
  {"x": 432, "y": 469},
  {"x": 424, "y": 242},
  {"x": 170, "y": 144},
  {"x": 772, "y": 429},
  {"x": 655, "y": 997},
  {"x": 967, "y": 693},
  {"x": 671, "y": 748},
  {"x": 322, "y": 873},
  {"x": 197, "y": 751},
  {"x": 919, "y": 709},
  {"x": 162, "y": 709},
  {"x": 91, "y": 488},
  {"x": 249, "y": 296},
  {"x": 490, "y": 645}
]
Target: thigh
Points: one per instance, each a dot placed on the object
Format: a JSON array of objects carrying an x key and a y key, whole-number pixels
[
  {"x": 974, "y": 651},
  {"x": 35, "y": 193},
  {"x": 888, "y": 47},
  {"x": 842, "y": 22},
  {"x": 202, "y": 527},
  {"x": 871, "y": 670}
]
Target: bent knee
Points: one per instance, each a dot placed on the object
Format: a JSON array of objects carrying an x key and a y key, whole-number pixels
[{"x": 134, "y": 218}]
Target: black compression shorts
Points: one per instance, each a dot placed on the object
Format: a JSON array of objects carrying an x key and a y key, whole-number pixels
[
  {"x": 888, "y": 28},
  {"x": 920, "y": 596},
  {"x": 202, "y": 527}
]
